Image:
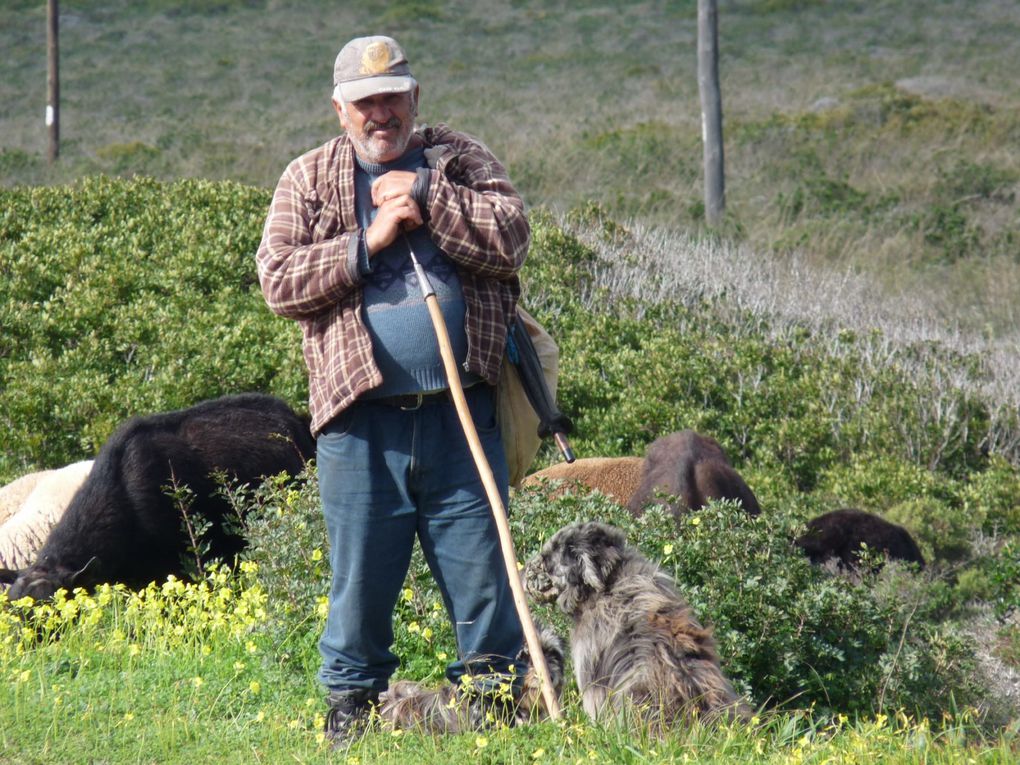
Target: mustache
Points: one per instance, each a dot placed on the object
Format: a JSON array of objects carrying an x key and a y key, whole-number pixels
[{"x": 393, "y": 123}]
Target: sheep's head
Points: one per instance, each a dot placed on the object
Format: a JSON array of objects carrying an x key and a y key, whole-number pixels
[
  {"x": 41, "y": 580},
  {"x": 576, "y": 562}
]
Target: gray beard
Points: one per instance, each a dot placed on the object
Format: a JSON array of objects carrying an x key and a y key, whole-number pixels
[{"x": 366, "y": 149}]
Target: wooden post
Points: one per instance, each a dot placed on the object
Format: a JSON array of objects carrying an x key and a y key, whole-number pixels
[
  {"x": 711, "y": 109},
  {"x": 52, "y": 79}
]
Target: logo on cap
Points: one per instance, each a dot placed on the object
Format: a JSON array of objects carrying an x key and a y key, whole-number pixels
[{"x": 375, "y": 59}]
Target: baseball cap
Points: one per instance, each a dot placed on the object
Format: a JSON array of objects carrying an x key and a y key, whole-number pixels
[{"x": 367, "y": 66}]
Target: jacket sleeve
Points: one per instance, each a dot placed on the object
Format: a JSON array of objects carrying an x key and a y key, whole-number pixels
[
  {"x": 303, "y": 274},
  {"x": 474, "y": 213}
]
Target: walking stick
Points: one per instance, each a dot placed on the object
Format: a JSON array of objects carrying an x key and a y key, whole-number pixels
[{"x": 491, "y": 489}]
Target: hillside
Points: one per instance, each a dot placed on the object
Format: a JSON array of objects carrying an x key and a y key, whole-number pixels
[{"x": 876, "y": 136}]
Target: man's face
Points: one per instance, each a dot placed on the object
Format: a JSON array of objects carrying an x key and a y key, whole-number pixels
[{"x": 379, "y": 126}]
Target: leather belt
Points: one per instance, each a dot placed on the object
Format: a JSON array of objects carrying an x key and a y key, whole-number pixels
[{"x": 411, "y": 401}]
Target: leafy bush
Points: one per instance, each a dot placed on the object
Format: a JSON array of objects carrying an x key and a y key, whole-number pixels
[
  {"x": 125, "y": 298},
  {"x": 283, "y": 524},
  {"x": 993, "y": 496},
  {"x": 789, "y": 633},
  {"x": 942, "y": 532}
]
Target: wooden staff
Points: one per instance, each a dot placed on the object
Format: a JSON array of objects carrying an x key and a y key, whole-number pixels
[{"x": 506, "y": 543}]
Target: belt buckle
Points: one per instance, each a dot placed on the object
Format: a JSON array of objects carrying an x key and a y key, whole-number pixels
[{"x": 419, "y": 398}]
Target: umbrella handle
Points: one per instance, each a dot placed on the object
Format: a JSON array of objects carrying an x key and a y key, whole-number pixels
[{"x": 564, "y": 445}]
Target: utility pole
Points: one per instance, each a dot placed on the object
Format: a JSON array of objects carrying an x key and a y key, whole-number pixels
[
  {"x": 711, "y": 110},
  {"x": 52, "y": 79}
]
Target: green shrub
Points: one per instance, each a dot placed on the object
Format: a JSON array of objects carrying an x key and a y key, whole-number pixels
[
  {"x": 129, "y": 297},
  {"x": 287, "y": 539},
  {"x": 876, "y": 482},
  {"x": 993, "y": 496},
  {"x": 943, "y": 532},
  {"x": 1003, "y": 571},
  {"x": 789, "y": 634}
]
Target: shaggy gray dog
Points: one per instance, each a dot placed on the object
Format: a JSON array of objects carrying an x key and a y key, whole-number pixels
[
  {"x": 693, "y": 468},
  {"x": 409, "y": 705},
  {"x": 637, "y": 649}
]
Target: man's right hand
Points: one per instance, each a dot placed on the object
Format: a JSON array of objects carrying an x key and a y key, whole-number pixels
[{"x": 393, "y": 217}]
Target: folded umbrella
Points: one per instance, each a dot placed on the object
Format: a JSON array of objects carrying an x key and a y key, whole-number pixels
[{"x": 552, "y": 422}]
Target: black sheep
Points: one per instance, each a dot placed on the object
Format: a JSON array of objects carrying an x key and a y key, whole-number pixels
[
  {"x": 124, "y": 526},
  {"x": 839, "y": 535}
]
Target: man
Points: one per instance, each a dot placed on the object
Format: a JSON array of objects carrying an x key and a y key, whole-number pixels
[{"x": 393, "y": 461}]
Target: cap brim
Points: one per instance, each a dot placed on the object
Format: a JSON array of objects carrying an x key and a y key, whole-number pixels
[{"x": 355, "y": 90}]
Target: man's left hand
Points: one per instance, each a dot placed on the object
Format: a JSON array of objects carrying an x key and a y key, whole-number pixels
[{"x": 391, "y": 185}]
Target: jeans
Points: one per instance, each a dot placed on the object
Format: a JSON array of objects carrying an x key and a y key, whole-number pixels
[{"x": 387, "y": 475}]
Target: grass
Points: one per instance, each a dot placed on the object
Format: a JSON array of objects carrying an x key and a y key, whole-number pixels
[{"x": 184, "y": 673}]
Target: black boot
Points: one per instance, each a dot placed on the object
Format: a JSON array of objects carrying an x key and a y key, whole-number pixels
[{"x": 349, "y": 715}]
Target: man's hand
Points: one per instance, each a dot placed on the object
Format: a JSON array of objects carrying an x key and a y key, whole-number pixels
[
  {"x": 398, "y": 212},
  {"x": 393, "y": 184}
]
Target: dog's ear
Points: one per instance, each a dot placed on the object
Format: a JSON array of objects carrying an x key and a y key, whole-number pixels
[{"x": 599, "y": 551}]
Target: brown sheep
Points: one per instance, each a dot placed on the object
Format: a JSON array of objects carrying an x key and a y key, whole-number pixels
[
  {"x": 695, "y": 469},
  {"x": 616, "y": 477}
]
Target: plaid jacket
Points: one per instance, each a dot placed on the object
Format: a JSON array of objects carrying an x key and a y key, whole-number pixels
[{"x": 308, "y": 259}]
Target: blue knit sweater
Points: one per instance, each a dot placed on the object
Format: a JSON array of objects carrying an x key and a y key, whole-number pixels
[{"x": 403, "y": 339}]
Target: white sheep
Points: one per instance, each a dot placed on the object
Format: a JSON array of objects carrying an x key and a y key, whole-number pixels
[
  {"x": 23, "y": 533},
  {"x": 13, "y": 495}
]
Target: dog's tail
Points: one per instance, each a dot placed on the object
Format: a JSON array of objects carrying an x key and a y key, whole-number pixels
[
  {"x": 530, "y": 706},
  {"x": 451, "y": 709}
]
